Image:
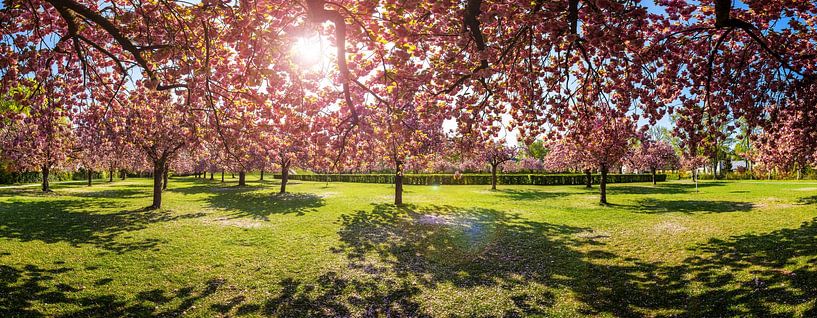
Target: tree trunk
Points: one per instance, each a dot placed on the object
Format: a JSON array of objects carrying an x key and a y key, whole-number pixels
[
  {"x": 603, "y": 184},
  {"x": 46, "y": 172},
  {"x": 164, "y": 178},
  {"x": 232, "y": 175},
  {"x": 158, "y": 174},
  {"x": 398, "y": 184},
  {"x": 695, "y": 177},
  {"x": 211, "y": 175},
  {"x": 262, "y": 174},
  {"x": 241, "y": 178},
  {"x": 110, "y": 174},
  {"x": 653, "y": 176},
  {"x": 123, "y": 174},
  {"x": 284, "y": 177},
  {"x": 493, "y": 177},
  {"x": 749, "y": 167},
  {"x": 715, "y": 169},
  {"x": 90, "y": 176},
  {"x": 222, "y": 175},
  {"x": 588, "y": 179}
]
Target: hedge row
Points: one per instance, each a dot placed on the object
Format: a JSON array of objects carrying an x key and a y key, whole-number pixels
[
  {"x": 476, "y": 179},
  {"x": 755, "y": 175},
  {"x": 37, "y": 176},
  {"x": 32, "y": 177}
]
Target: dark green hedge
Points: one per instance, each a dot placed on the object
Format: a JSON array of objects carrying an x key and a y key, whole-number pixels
[
  {"x": 32, "y": 177},
  {"x": 81, "y": 175},
  {"x": 37, "y": 176},
  {"x": 434, "y": 179}
]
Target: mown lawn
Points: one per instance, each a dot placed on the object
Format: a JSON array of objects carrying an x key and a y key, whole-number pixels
[{"x": 733, "y": 249}]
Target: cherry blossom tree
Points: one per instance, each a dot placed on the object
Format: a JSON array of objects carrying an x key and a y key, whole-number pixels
[
  {"x": 238, "y": 139},
  {"x": 565, "y": 155},
  {"x": 528, "y": 164},
  {"x": 786, "y": 144},
  {"x": 606, "y": 136},
  {"x": 577, "y": 71},
  {"x": 720, "y": 62},
  {"x": 95, "y": 141},
  {"x": 495, "y": 153},
  {"x": 290, "y": 143},
  {"x": 160, "y": 127},
  {"x": 406, "y": 135},
  {"x": 401, "y": 120},
  {"x": 653, "y": 155},
  {"x": 693, "y": 163},
  {"x": 38, "y": 135}
]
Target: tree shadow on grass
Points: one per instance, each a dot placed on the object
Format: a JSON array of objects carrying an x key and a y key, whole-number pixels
[
  {"x": 277, "y": 182},
  {"x": 263, "y": 204},
  {"x": 779, "y": 268},
  {"x": 808, "y": 200},
  {"x": 335, "y": 296},
  {"x": 443, "y": 241},
  {"x": 79, "y": 222},
  {"x": 660, "y": 188},
  {"x": 114, "y": 194},
  {"x": 250, "y": 201},
  {"x": 651, "y": 205},
  {"x": 23, "y": 289},
  {"x": 481, "y": 247},
  {"x": 200, "y": 187},
  {"x": 531, "y": 195}
]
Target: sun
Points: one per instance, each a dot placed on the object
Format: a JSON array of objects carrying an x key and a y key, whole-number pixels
[{"x": 311, "y": 51}]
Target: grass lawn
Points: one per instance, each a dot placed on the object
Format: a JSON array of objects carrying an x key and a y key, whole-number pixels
[{"x": 340, "y": 249}]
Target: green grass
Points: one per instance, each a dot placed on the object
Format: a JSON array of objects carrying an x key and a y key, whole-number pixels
[{"x": 340, "y": 249}]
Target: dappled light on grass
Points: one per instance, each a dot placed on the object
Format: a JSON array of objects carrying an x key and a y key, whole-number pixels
[
  {"x": 74, "y": 222},
  {"x": 443, "y": 241},
  {"x": 22, "y": 287},
  {"x": 410, "y": 244},
  {"x": 334, "y": 250}
]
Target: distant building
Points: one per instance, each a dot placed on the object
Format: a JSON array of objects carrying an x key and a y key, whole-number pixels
[{"x": 735, "y": 165}]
